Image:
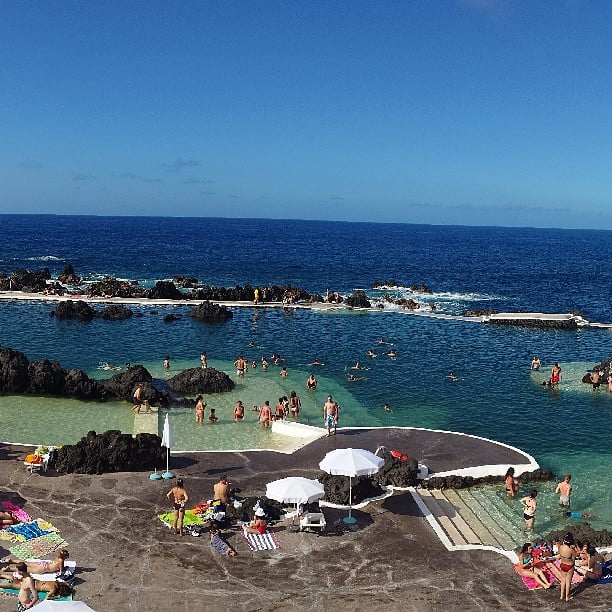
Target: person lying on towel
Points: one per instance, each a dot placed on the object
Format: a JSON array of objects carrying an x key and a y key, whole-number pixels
[
  {"x": 40, "y": 567},
  {"x": 6, "y": 518},
  {"x": 258, "y": 524},
  {"x": 219, "y": 544},
  {"x": 53, "y": 588}
]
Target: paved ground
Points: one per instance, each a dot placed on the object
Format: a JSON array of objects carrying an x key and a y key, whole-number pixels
[{"x": 128, "y": 560}]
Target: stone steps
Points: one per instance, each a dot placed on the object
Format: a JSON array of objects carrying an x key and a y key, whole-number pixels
[{"x": 146, "y": 422}]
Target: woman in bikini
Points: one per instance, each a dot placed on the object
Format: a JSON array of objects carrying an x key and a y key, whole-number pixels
[
  {"x": 567, "y": 554},
  {"x": 40, "y": 567},
  {"x": 528, "y": 566},
  {"x": 511, "y": 483},
  {"x": 178, "y": 496},
  {"x": 530, "y": 506},
  {"x": 199, "y": 409}
]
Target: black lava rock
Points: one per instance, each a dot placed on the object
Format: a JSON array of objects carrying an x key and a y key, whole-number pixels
[
  {"x": 208, "y": 312},
  {"x": 201, "y": 380},
  {"x": 69, "y": 277},
  {"x": 358, "y": 300},
  {"x": 79, "y": 310},
  {"x": 123, "y": 385},
  {"x": 115, "y": 312},
  {"x": 165, "y": 290},
  {"x": 337, "y": 488}
]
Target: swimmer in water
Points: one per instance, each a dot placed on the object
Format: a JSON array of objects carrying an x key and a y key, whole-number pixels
[
  {"x": 372, "y": 354},
  {"x": 452, "y": 376},
  {"x": 386, "y": 408},
  {"x": 317, "y": 362}
]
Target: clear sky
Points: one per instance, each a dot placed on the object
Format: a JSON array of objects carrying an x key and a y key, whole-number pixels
[{"x": 476, "y": 112}]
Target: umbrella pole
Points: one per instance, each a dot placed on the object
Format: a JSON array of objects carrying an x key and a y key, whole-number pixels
[{"x": 350, "y": 495}]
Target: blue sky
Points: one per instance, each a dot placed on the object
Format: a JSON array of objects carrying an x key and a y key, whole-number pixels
[{"x": 475, "y": 112}]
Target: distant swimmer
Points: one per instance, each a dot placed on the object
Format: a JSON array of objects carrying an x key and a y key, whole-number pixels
[
  {"x": 351, "y": 376},
  {"x": 383, "y": 341},
  {"x": 167, "y": 363},
  {"x": 392, "y": 354},
  {"x": 578, "y": 515},
  {"x": 264, "y": 362},
  {"x": 317, "y": 362},
  {"x": 452, "y": 376},
  {"x": 536, "y": 364},
  {"x": 357, "y": 366},
  {"x": 595, "y": 380},
  {"x": 311, "y": 383},
  {"x": 372, "y": 354},
  {"x": 284, "y": 372},
  {"x": 387, "y": 408},
  {"x": 254, "y": 365}
]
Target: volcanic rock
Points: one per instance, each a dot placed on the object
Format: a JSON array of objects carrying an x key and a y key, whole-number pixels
[
  {"x": 201, "y": 380},
  {"x": 208, "y": 312},
  {"x": 115, "y": 312},
  {"x": 13, "y": 371},
  {"x": 169, "y": 318},
  {"x": 165, "y": 290},
  {"x": 358, "y": 300},
  {"x": 337, "y": 489},
  {"x": 464, "y": 482},
  {"x": 111, "y": 451},
  {"x": 79, "y": 310},
  {"x": 385, "y": 283},
  {"x": 29, "y": 282},
  {"x": 397, "y": 472},
  {"x": 604, "y": 367},
  {"x": 69, "y": 277},
  {"x": 111, "y": 287},
  {"x": 582, "y": 532},
  {"x": 123, "y": 385},
  {"x": 186, "y": 282}
]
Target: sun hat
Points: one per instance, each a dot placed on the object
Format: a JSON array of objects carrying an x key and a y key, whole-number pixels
[{"x": 260, "y": 512}]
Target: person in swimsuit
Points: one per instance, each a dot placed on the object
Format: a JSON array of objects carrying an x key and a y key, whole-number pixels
[
  {"x": 219, "y": 544},
  {"x": 591, "y": 566},
  {"x": 555, "y": 375},
  {"x": 203, "y": 360},
  {"x": 595, "y": 380},
  {"x": 258, "y": 524},
  {"x": 167, "y": 363},
  {"x": 567, "y": 554},
  {"x": 241, "y": 365},
  {"x": 264, "y": 363},
  {"x": 238, "y": 411},
  {"x": 53, "y": 588},
  {"x": 528, "y": 566},
  {"x": 330, "y": 415},
  {"x": 311, "y": 383},
  {"x": 265, "y": 415},
  {"x": 199, "y": 409},
  {"x": 221, "y": 489},
  {"x": 284, "y": 372},
  {"x": 178, "y": 496},
  {"x": 564, "y": 489},
  {"x": 6, "y": 518},
  {"x": 212, "y": 417},
  {"x": 529, "y": 508},
  {"x": 139, "y": 401},
  {"x": 511, "y": 483},
  {"x": 295, "y": 403},
  {"x": 610, "y": 382},
  {"x": 56, "y": 566},
  {"x": 536, "y": 364},
  {"x": 28, "y": 595}
]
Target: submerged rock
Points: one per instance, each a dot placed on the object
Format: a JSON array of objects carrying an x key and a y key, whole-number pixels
[{"x": 201, "y": 380}]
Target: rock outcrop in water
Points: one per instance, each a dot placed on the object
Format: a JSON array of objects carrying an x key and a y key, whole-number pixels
[
  {"x": 43, "y": 377},
  {"x": 358, "y": 299},
  {"x": 21, "y": 279},
  {"x": 165, "y": 290},
  {"x": 69, "y": 277},
  {"x": 207, "y": 312},
  {"x": 115, "y": 312},
  {"x": 123, "y": 385},
  {"x": 74, "y": 310},
  {"x": 111, "y": 451},
  {"x": 200, "y": 380},
  {"x": 111, "y": 287},
  {"x": 604, "y": 368},
  {"x": 465, "y": 482}
]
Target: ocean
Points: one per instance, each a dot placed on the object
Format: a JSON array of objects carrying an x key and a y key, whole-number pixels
[{"x": 496, "y": 395}]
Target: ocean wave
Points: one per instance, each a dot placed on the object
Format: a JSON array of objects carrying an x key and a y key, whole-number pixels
[{"x": 44, "y": 258}]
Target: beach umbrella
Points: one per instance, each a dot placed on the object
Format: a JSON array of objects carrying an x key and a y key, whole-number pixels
[
  {"x": 351, "y": 462},
  {"x": 63, "y": 606},
  {"x": 167, "y": 441},
  {"x": 295, "y": 490}
]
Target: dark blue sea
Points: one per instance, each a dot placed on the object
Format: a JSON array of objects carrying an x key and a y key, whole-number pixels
[{"x": 506, "y": 269}]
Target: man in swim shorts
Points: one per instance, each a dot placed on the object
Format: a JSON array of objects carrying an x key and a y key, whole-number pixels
[
  {"x": 564, "y": 489},
  {"x": 330, "y": 415}
]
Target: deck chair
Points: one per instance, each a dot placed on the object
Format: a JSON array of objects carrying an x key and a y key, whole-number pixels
[{"x": 313, "y": 520}]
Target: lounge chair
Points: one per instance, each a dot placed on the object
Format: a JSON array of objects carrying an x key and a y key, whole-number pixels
[{"x": 313, "y": 520}]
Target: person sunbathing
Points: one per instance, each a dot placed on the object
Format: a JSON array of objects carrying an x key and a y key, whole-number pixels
[
  {"x": 56, "y": 566},
  {"x": 219, "y": 544},
  {"x": 53, "y": 588},
  {"x": 258, "y": 524},
  {"x": 6, "y": 518},
  {"x": 528, "y": 566}
]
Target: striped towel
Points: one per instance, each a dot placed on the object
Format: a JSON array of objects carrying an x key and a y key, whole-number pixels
[{"x": 261, "y": 541}]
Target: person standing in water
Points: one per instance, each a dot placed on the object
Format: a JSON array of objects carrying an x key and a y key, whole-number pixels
[
  {"x": 530, "y": 506},
  {"x": 564, "y": 488},
  {"x": 167, "y": 363},
  {"x": 330, "y": 415},
  {"x": 199, "y": 409}
]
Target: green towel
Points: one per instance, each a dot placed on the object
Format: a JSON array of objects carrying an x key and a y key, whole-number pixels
[
  {"x": 191, "y": 518},
  {"x": 41, "y": 594}
]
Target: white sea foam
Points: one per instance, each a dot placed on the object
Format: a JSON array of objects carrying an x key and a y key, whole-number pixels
[{"x": 44, "y": 258}]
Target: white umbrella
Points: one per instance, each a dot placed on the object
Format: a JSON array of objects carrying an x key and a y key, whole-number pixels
[
  {"x": 295, "y": 490},
  {"x": 351, "y": 462},
  {"x": 168, "y": 442},
  {"x": 60, "y": 606}
]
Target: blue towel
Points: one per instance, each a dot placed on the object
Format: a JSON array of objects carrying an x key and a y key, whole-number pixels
[{"x": 27, "y": 530}]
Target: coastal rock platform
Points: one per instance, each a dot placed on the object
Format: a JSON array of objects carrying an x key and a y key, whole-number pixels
[{"x": 129, "y": 561}]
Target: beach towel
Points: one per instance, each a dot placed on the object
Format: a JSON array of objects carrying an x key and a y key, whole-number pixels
[
  {"x": 19, "y": 513},
  {"x": 39, "y": 547},
  {"x": 261, "y": 541},
  {"x": 532, "y": 583},
  {"x": 191, "y": 518},
  {"x": 26, "y": 531}
]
